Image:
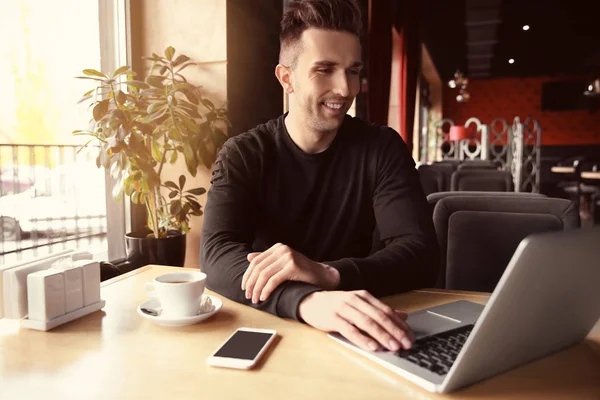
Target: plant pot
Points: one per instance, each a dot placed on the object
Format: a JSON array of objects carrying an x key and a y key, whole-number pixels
[{"x": 142, "y": 250}]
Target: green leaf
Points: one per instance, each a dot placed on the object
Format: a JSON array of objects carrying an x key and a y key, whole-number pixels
[
  {"x": 162, "y": 70},
  {"x": 191, "y": 96},
  {"x": 190, "y": 111},
  {"x": 154, "y": 107},
  {"x": 184, "y": 66},
  {"x": 191, "y": 125},
  {"x": 175, "y": 135},
  {"x": 194, "y": 204},
  {"x": 158, "y": 114},
  {"x": 117, "y": 191},
  {"x": 155, "y": 81},
  {"x": 175, "y": 207},
  {"x": 190, "y": 159},
  {"x": 120, "y": 70},
  {"x": 181, "y": 181},
  {"x": 156, "y": 154},
  {"x": 208, "y": 104},
  {"x": 180, "y": 60},
  {"x": 169, "y": 52},
  {"x": 137, "y": 84},
  {"x": 173, "y": 159},
  {"x": 171, "y": 184},
  {"x": 89, "y": 77},
  {"x": 219, "y": 137},
  {"x": 100, "y": 109},
  {"x": 173, "y": 194},
  {"x": 181, "y": 87},
  {"x": 93, "y": 72},
  {"x": 204, "y": 155},
  {"x": 121, "y": 98},
  {"x": 197, "y": 191},
  {"x": 84, "y": 98}
]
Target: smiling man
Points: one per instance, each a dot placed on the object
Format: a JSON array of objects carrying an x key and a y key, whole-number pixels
[{"x": 315, "y": 214}]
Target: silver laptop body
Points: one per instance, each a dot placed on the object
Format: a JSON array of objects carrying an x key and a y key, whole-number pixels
[{"x": 547, "y": 300}]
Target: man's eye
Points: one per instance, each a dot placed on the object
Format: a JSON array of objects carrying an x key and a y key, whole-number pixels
[
  {"x": 324, "y": 70},
  {"x": 354, "y": 72}
]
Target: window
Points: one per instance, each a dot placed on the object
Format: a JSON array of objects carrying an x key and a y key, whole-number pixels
[{"x": 52, "y": 196}]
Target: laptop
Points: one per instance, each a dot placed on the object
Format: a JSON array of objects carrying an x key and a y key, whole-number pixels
[{"x": 551, "y": 282}]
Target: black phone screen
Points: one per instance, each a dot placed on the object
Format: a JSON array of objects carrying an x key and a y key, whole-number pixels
[{"x": 244, "y": 345}]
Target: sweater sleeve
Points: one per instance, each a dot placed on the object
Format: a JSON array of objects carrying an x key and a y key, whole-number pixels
[
  {"x": 228, "y": 232},
  {"x": 410, "y": 258}
]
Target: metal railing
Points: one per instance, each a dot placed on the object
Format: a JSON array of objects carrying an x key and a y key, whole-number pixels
[{"x": 52, "y": 197}]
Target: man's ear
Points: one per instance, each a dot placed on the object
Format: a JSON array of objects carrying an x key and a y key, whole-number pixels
[{"x": 284, "y": 75}]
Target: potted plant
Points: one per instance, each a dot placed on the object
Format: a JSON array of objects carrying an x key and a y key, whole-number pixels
[{"x": 139, "y": 128}]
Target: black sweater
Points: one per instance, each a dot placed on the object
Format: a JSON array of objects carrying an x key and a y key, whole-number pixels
[{"x": 336, "y": 207}]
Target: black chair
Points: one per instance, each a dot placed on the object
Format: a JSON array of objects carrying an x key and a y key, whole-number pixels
[
  {"x": 478, "y": 164},
  {"x": 433, "y": 198},
  {"x": 435, "y": 177},
  {"x": 479, "y": 234},
  {"x": 481, "y": 180},
  {"x": 450, "y": 161}
]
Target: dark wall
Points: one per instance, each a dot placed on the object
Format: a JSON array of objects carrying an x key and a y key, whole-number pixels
[{"x": 254, "y": 95}]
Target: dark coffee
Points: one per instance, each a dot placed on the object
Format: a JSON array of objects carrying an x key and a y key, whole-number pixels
[{"x": 178, "y": 281}]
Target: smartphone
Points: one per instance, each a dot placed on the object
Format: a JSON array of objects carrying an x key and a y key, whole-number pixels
[{"x": 243, "y": 348}]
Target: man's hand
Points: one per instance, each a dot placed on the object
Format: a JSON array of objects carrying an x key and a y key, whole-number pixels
[
  {"x": 280, "y": 263},
  {"x": 350, "y": 312}
]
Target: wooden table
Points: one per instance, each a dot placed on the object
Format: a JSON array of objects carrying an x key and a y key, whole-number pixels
[
  {"x": 116, "y": 354},
  {"x": 590, "y": 175},
  {"x": 563, "y": 170}
]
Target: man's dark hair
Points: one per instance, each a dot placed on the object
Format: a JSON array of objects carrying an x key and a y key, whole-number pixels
[{"x": 300, "y": 15}]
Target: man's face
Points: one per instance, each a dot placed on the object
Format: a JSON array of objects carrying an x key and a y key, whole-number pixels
[{"x": 325, "y": 79}]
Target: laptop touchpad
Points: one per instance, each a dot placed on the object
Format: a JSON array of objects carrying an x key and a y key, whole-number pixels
[
  {"x": 424, "y": 323},
  {"x": 444, "y": 317}
]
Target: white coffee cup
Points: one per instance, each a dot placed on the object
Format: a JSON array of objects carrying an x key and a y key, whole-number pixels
[{"x": 179, "y": 293}]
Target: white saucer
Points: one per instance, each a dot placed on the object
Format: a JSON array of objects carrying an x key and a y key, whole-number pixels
[{"x": 154, "y": 304}]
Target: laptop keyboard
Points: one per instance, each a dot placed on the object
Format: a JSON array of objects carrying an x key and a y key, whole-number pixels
[{"x": 437, "y": 352}]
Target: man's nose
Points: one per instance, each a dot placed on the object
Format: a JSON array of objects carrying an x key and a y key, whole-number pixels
[{"x": 341, "y": 85}]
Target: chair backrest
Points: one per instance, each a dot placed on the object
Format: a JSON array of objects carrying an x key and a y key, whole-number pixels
[
  {"x": 479, "y": 234},
  {"x": 435, "y": 177},
  {"x": 478, "y": 164},
  {"x": 481, "y": 180},
  {"x": 433, "y": 198}
]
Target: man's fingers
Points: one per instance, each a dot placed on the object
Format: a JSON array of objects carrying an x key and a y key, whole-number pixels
[
  {"x": 252, "y": 256},
  {"x": 369, "y": 325},
  {"x": 256, "y": 272},
  {"x": 390, "y": 314},
  {"x": 350, "y": 332},
  {"x": 368, "y": 297},
  {"x": 272, "y": 284},
  {"x": 401, "y": 314},
  {"x": 392, "y": 325},
  {"x": 263, "y": 277},
  {"x": 255, "y": 259}
]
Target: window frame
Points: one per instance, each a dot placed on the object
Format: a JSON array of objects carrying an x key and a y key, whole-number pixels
[{"x": 115, "y": 51}]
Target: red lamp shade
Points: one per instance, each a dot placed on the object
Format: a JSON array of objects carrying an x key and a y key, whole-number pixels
[{"x": 457, "y": 133}]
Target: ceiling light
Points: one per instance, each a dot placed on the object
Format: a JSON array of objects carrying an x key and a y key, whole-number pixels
[
  {"x": 461, "y": 81},
  {"x": 593, "y": 88},
  {"x": 525, "y": 27},
  {"x": 511, "y": 61}
]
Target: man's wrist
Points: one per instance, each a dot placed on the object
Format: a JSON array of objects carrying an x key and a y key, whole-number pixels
[
  {"x": 302, "y": 305},
  {"x": 332, "y": 277}
]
